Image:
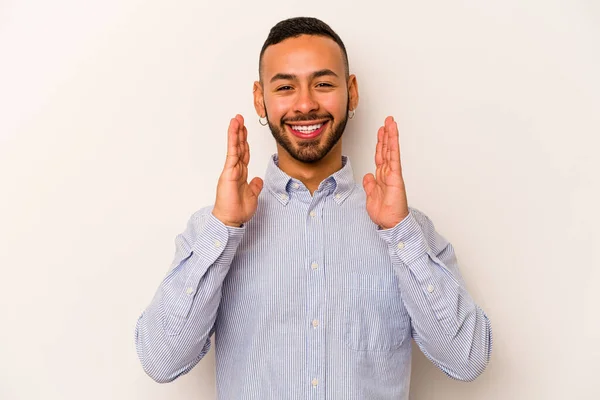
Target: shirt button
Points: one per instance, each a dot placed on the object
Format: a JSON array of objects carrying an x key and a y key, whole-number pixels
[
  {"x": 217, "y": 243},
  {"x": 189, "y": 290},
  {"x": 337, "y": 196},
  {"x": 284, "y": 196},
  {"x": 430, "y": 288},
  {"x": 314, "y": 382},
  {"x": 401, "y": 245},
  {"x": 296, "y": 186},
  {"x": 314, "y": 265},
  {"x": 312, "y": 213},
  {"x": 315, "y": 323}
]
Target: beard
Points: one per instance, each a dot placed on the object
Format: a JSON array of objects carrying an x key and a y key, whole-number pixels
[{"x": 309, "y": 151}]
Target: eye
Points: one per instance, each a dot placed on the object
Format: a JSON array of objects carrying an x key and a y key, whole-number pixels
[
  {"x": 283, "y": 88},
  {"x": 324, "y": 84}
]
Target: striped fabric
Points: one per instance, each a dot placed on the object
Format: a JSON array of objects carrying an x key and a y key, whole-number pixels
[{"x": 311, "y": 300}]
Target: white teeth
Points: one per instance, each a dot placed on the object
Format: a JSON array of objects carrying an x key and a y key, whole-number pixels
[{"x": 306, "y": 128}]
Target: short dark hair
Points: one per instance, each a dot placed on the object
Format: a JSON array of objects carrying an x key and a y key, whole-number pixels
[{"x": 294, "y": 27}]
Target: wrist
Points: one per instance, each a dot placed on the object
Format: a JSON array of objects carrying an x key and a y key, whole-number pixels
[
  {"x": 390, "y": 225},
  {"x": 225, "y": 221}
]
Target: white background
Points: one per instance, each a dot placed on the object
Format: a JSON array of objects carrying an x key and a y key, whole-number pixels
[{"x": 113, "y": 119}]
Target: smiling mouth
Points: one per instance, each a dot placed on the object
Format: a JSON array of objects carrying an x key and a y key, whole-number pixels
[{"x": 307, "y": 131}]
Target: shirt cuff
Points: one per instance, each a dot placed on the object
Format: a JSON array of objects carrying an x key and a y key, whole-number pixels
[
  {"x": 406, "y": 239},
  {"x": 217, "y": 239}
]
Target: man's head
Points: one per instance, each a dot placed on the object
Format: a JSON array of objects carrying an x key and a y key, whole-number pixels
[{"x": 304, "y": 83}]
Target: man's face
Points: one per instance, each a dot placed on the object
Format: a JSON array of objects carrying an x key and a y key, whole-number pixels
[{"x": 305, "y": 95}]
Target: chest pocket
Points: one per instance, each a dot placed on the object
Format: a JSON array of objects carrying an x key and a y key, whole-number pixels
[{"x": 375, "y": 317}]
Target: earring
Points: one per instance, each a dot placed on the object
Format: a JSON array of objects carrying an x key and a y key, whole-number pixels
[
  {"x": 260, "y": 121},
  {"x": 351, "y": 114}
]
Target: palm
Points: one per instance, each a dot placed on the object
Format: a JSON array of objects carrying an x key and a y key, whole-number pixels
[
  {"x": 236, "y": 198},
  {"x": 386, "y": 195}
]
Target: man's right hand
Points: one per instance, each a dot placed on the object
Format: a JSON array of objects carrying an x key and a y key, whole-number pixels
[{"x": 237, "y": 199}]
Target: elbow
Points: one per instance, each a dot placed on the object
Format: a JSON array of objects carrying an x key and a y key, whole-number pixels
[
  {"x": 478, "y": 359},
  {"x": 154, "y": 366},
  {"x": 470, "y": 372},
  {"x": 162, "y": 371},
  {"x": 157, "y": 375},
  {"x": 154, "y": 359},
  {"x": 158, "y": 365},
  {"x": 469, "y": 369},
  {"x": 163, "y": 361},
  {"x": 161, "y": 379}
]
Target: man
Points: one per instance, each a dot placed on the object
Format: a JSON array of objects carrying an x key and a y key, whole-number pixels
[{"x": 313, "y": 285}]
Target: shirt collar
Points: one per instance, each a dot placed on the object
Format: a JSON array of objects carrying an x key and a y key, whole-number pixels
[{"x": 282, "y": 186}]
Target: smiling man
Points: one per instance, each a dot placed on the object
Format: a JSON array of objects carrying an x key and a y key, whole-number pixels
[{"x": 313, "y": 284}]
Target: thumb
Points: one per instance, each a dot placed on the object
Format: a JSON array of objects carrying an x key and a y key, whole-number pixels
[
  {"x": 256, "y": 185},
  {"x": 369, "y": 183}
]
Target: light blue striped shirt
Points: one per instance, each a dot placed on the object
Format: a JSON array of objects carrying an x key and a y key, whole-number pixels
[{"x": 311, "y": 300}]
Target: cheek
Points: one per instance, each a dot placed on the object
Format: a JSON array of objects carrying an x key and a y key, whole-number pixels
[
  {"x": 277, "y": 108},
  {"x": 335, "y": 105}
]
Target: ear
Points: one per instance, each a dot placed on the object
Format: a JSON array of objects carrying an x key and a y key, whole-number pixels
[
  {"x": 353, "y": 92},
  {"x": 259, "y": 104}
]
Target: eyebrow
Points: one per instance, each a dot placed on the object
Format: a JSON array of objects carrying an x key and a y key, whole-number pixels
[{"x": 292, "y": 77}]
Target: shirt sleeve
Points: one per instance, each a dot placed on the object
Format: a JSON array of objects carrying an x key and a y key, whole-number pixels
[
  {"x": 449, "y": 328},
  {"x": 173, "y": 333}
]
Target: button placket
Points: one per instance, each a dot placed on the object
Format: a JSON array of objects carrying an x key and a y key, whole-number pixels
[{"x": 315, "y": 310}]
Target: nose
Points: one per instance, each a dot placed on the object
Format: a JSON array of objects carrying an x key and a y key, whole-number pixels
[{"x": 305, "y": 102}]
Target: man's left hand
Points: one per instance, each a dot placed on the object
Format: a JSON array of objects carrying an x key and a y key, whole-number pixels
[{"x": 386, "y": 195}]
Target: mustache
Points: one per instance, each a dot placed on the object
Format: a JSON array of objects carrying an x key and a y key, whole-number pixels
[{"x": 307, "y": 117}]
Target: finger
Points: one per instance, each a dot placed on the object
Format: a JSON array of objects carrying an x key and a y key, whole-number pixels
[
  {"x": 240, "y": 119},
  {"x": 242, "y": 143},
  {"x": 245, "y": 136},
  {"x": 384, "y": 147},
  {"x": 389, "y": 121},
  {"x": 246, "y": 148},
  {"x": 378, "y": 149},
  {"x": 379, "y": 173},
  {"x": 241, "y": 138},
  {"x": 394, "y": 147},
  {"x": 232, "y": 144},
  {"x": 244, "y": 177}
]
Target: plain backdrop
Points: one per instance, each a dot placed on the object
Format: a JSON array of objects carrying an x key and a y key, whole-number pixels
[{"x": 113, "y": 120}]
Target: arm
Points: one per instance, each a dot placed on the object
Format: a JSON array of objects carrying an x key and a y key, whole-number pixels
[
  {"x": 451, "y": 330},
  {"x": 173, "y": 334},
  {"x": 447, "y": 325}
]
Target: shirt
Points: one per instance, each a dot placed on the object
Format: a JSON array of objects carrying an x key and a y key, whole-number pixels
[{"x": 311, "y": 300}]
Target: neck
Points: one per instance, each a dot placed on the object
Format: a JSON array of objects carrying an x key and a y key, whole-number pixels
[{"x": 311, "y": 175}]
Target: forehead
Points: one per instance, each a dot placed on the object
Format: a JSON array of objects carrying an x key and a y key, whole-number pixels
[{"x": 302, "y": 55}]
